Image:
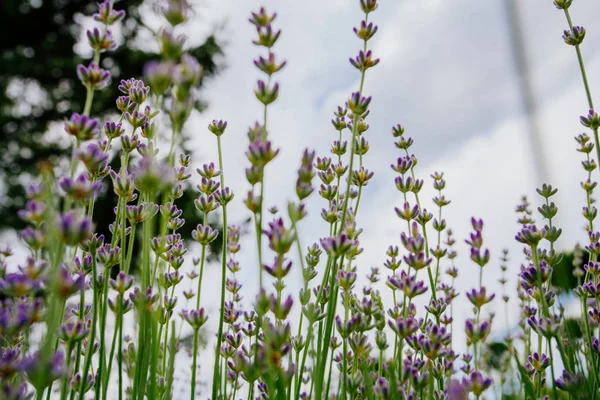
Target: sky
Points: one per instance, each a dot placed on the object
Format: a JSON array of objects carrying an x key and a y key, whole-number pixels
[{"x": 447, "y": 73}]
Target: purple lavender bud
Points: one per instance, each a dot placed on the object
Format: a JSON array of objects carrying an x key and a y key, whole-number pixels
[
  {"x": 136, "y": 118},
  {"x": 479, "y": 298},
  {"x": 35, "y": 238},
  {"x": 575, "y": 36},
  {"x": 125, "y": 105},
  {"x": 206, "y": 204},
  {"x": 261, "y": 18},
  {"x": 408, "y": 213},
  {"x": 208, "y": 186},
  {"x": 546, "y": 327},
  {"x": 364, "y": 61},
  {"x": 69, "y": 284},
  {"x": 530, "y": 276},
  {"x": 562, "y": 4},
  {"x": 530, "y": 235},
  {"x": 18, "y": 284},
  {"x": 204, "y": 234},
  {"x": 176, "y": 12},
  {"x": 336, "y": 246},
  {"x": 82, "y": 127},
  {"x": 479, "y": 256},
  {"x": 476, "y": 383},
  {"x": 187, "y": 73},
  {"x": 73, "y": 228},
  {"x": 358, "y": 104},
  {"x": 323, "y": 164},
  {"x": 72, "y": 331},
  {"x": 346, "y": 279},
  {"x": 368, "y": 6},
  {"x": 476, "y": 332},
  {"x": 403, "y": 164},
  {"x": 92, "y": 76},
  {"x": 101, "y": 42},
  {"x": 407, "y": 284},
  {"x": 457, "y": 390},
  {"x": 159, "y": 75},
  {"x": 417, "y": 261},
  {"x": 138, "y": 92},
  {"x": 122, "y": 283},
  {"x": 265, "y": 93},
  {"x": 365, "y": 31},
  {"x": 208, "y": 171},
  {"x": 196, "y": 318},
  {"x": 280, "y": 238},
  {"x": 404, "y": 327},
  {"x": 77, "y": 381},
  {"x": 42, "y": 371},
  {"x": 571, "y": 383},
  {"x": 139, "y": 213},
  {"x": 280, "y": 310},
  {"x": 34, "y": 212},
  {"x": 538, "y": 362},
  {"x": 279, "y": 269},
  {"x": 592, "y": 120},
  {"x": 171, "y": 46},
  {"x": 107, "y": 15},
  {"x": 9, "y": 362},
  {"x": 152, "y": 176},
  {"x": 33, "y": 268},
  {"x": 267, "y": 37},
  {"x": 113, "y": 130},
  {"x": 109, "y": 256},
  {"x": 217, "y": 127},
  {"x": 268, "y": 65},
  {"x": 80, "y": 188},
  {"x": 94, "y": 159}
]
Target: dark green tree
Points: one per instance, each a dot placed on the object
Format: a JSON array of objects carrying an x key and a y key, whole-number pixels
[{"x": 39, "y": 87}]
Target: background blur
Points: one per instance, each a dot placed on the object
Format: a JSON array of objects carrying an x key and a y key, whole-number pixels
[{"x": 488, "y": 90}]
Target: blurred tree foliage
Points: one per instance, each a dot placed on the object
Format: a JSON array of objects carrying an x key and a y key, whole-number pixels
[{"x": 39, "y": 86}]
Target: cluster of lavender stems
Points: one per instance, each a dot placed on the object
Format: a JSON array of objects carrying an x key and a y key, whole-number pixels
[{"x": 64, "y": 311}]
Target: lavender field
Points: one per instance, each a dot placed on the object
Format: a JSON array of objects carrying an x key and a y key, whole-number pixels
[{"x": 358, "y": 199}]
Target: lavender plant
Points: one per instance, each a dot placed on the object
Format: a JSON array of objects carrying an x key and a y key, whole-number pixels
[{"x": 84, "y": 318}]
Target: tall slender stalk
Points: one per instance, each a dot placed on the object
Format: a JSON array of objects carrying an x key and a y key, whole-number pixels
[{"x": 215, "y": 386}]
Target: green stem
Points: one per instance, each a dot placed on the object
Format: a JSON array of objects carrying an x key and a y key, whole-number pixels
[
  {"x": 554, "y": 392},
  {"x": 215, "y": 386},
  {"x": 65, "y": 383},
  {"x": 92, "y": 336},
  {"x": 202, "y": 256},
  {"x": 113, "y": 345},
  {"x": 120, "y": 354},
  {"x": 194, "y": 365},
  {"x": 301, "y": 370}
]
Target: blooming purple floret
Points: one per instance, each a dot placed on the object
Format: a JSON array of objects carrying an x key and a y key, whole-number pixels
[
  {"x": 106, "y": 14},
  {"x": 280, "y": 238},
  {"x": 73, "y": 228},
  {"x": 187, "y": 73},
  {"x": 477, "y": 383},
  {"x": 34, "y": 212},
  {"x": 92, "y": 76},
  {"x": 82, "y": 127},
  {"x": 80, "y": 188},
  {"x": 101, "y": 41}
]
